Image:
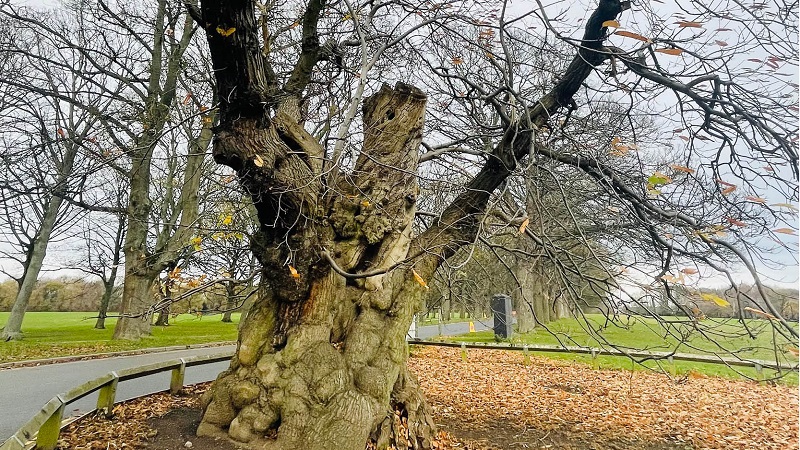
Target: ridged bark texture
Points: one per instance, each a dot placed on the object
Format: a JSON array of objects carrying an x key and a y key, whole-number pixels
[{"x": 321, "y": 356}]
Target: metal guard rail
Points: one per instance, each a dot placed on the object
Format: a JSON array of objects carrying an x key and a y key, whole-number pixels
[
  {"x": 595, "y": 352},
  {"x": 45, "y": 426}
]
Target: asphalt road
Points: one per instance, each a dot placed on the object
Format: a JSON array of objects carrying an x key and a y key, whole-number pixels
[
  {"x": 453, "y": 329},
  {"x": 25, "y": 390}
]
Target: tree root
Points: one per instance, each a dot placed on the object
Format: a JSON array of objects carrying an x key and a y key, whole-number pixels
[{"x": 410, "y": 424}]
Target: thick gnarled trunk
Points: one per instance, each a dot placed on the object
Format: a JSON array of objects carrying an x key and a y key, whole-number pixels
[
  {"x": 137, "y": 295},
  {"x": 321, "y": 355}
]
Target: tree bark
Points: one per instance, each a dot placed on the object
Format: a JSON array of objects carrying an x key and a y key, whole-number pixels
[
  {"x": 321, "y": 355},
  {"x": 108, "y": 291},
  {"x": 37, "y": 252},
  {"x": 163, "y": 315},
  {"x": 230, "y": 301},
  {"x": 320, "y": 361},
  {"x": 142, "y": 267},
  {"x": 525, "y": 321},
  {"x": 139, "y": 276},
  {"x": 162, "y": 320},
  {"x": 13, "y": 327},
  {"x": 137, "y": 295},
  {"x": 108, "y": 283}
]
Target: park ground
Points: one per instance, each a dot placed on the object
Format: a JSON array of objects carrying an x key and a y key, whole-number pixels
[
  {"x": 59, "y": 334},
  {"x": 645, "y": 334},
  {"x": 494, "y": 399},
  {"x": 498, "y": 400}
]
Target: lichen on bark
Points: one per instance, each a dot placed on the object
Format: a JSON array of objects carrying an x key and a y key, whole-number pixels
[{"x": 320, "y": 358}]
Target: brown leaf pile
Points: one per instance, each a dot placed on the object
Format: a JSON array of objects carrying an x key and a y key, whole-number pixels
[
  {"x": 128, "y": 428},
  {"x": 496, "y": 401},
  {"x": 495, "y": 387}
]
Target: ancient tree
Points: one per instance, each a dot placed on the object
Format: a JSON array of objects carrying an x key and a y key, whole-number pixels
[{"x": 321, "y": 356}]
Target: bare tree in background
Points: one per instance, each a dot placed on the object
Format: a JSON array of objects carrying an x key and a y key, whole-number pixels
[
  {"x": 137, "y": 60},
  {"x": 229, "y": 222},
  {"x": 103, "y": 240},
  {"x": 41, "y": 166}
]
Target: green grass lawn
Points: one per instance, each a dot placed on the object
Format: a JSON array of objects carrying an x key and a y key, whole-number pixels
[
  {"x": 646, "y": 334},
  {"x": 52, "y": 334}
]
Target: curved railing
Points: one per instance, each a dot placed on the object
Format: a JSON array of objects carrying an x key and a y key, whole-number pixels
[
  {"x": 45, "y": 426},
  {"x": 757, "y": 364}
]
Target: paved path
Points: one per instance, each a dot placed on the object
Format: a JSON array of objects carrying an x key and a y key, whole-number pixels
[
  {"x": 25, "y": 390},
  {"x": 453, "y": 329}
]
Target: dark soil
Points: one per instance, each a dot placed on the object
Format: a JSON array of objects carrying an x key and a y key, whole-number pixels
[
  {"x": 507, "y": 436},
  {"x": 176, "y": 429}
]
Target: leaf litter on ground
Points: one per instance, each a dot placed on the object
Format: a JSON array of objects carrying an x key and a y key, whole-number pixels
[{"x": 496, "y": 400}]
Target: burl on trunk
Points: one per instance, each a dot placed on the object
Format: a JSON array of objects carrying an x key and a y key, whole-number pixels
[{"x": 321, "y": 358}]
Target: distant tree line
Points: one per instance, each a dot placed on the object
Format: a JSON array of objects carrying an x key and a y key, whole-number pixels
[
  {"x": 65, "y": 294},
  {"x": 742, "y": 302},
  {"x": 59, "y": 294}
]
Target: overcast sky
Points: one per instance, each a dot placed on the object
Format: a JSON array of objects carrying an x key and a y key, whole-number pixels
[{"x": 781, "y": 271}]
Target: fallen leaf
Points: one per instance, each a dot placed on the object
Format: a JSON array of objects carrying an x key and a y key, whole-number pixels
[
  {"x": 524, "y": 225},
  {"x": 760, "y": 313},
  {"x": 631, "y": 35},
  {"x": 724, "y": 183},
  {"x": 658, "y": 178},
  {"x": 419, "y": 279},
  {"x": 670, "y": 51},
  {"x": 715, "y": 298},
  {"x": 683, "y": 169},
  {"x": 784, "y": 205},
  {"x": 225, "y": 32},
  {"x": 736, "y": 222}
]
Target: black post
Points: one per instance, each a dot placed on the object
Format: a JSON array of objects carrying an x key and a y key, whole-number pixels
[{"x": 501, "y": 308}]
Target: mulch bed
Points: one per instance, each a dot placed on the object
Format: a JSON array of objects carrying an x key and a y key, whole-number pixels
[{"x": 495, "y": 401}]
